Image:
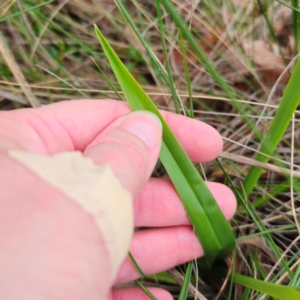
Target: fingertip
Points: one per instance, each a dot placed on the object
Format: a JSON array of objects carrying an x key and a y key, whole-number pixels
[
  {"x": 144, "y": 125},
  {"x": 225, "y": 198},
  {"x": 211, "y": 145},
  {"x": 201, "y": 141}
]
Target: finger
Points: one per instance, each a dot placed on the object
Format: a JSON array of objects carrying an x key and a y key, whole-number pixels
[
  {"x": 156, "y": 250},
  {"x": 73, "y": 125},
  {"x": 158, "y": 204},
  {"x": 131, "y": 146},
  {"x": 138, "y": 294}
]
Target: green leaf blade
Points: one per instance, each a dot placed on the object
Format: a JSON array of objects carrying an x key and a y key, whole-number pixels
[
  {"x": 271, "y": 289},
  {"x": 209, "y": 223},
  {"x": 287, "y": 107},
  {"x": 185, "y": 286}
]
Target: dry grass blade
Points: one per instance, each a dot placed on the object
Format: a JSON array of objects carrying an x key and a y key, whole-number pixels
[
  {"x": 5, "y": 7},
  {"x": 17, "y": 73},
  {"x": 255, "y": 163},
  {"x": 54, "y": 13},
  {"x": 13, "y": 97},
  {"x": 179, "y": 278}
]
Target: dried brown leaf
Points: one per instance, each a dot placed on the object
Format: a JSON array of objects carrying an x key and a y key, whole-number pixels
[{"x": 270, "y": 65}]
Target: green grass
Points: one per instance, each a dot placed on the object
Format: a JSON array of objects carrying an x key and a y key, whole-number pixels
[
  {"x": 53, "y": 46},
  {"x": 206, "y": 217}
]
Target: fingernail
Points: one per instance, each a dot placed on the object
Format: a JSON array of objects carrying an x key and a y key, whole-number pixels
[{"x": 144, "y": 125}]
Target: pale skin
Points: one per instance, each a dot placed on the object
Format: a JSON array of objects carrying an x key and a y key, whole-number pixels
[{"x": 49, "y": 247}]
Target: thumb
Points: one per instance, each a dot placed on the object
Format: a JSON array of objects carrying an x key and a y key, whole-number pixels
[{"x": 131, "y": 146}]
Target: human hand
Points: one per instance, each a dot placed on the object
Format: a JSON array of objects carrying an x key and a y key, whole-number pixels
[{"x": 50, "y": 248}]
